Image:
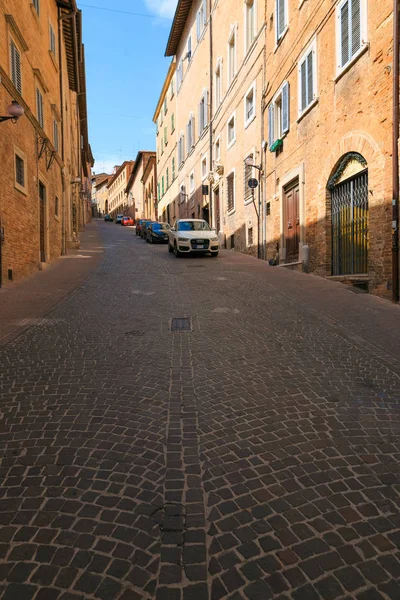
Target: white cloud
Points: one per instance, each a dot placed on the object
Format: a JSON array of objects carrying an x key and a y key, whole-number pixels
[{"x": 162, "y": 8}]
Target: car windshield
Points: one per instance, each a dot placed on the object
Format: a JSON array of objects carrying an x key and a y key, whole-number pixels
[
  {"x": 158, "y": 226},
  {"x": 193, "y": 226}
]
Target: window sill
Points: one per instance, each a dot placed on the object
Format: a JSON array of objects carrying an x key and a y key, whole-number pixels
[
  {"x": 349, "y": 65},
  {"x": 249, "y": 122},
  {"x": 21, "y": 189},
  {"x": 233, "y": 142},
  {"x": 248, "y": 202},
  {"x": 53, "y": 60},
  {"x": 308, "y": 109},
  {"x": 279, "y": 42},
  {"x": 231, "y": 212}
]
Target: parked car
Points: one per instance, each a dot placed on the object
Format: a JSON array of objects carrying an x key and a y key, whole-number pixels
[
  {"x": 119, "y": 219},
  {"x": 192, "y": 236},
  {"x": 157, "y": 232},
  {"x": 108, "y": 218},
  {"x": 139, "y": 226},
  {"x": 127, "y": 221},
  {"x": 143, "y": 229}
]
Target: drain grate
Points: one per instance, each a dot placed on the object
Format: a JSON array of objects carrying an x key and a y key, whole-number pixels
[{"x": 181, "y": 324}]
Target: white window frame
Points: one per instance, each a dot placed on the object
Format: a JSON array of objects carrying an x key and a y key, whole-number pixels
[
  {"x": 201, "y": 19},
  {"x": 52, "y": 39},
  {"x": 311, "y": 48},
  {"x": 189, "y": 49},
  {"x": 232, "y": 210},
  {"x": 233, "y": 141},
  {"x": 22, "y": 156},
  {"x": 190, "y": 134},
  {"x": 278, "y": 127},
  {"x": 248, "y": 45},
  {"x": 247, "y": 120},
  {"x": 181, "y": 149},
  {"x": 204, "y": 160},
  {"x": 363, "y": 34},
  {"x": 218, "y": 84},
  {"x": 217, "y": 143},
  {"x": 280, "y": 36},
  {"x": 203, "y": 112},
  {"x": 179, "y": 75},
  {"x": 232, "y": 36}
]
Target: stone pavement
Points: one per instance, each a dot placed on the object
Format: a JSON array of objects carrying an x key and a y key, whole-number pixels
[{"x": 255, "y": 456}]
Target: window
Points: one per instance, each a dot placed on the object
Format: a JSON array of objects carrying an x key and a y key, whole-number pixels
[
  {"x": 307, "y": 75},
  {"x": 162, "y": 185},
  {"x": 166, "y": 136},
  {"x": 230, "y": 191},
  {"x": 162, "y": 145},
  {"x": 36, "y": 5},
  {"x": 250, "y": 239},
  {"x": 250, "y": 106},
  {"x": 189, "y": 48},
  {"x": 278, "y": 115},
  {"x": 52, "y": 36},
  {"x": 248, "y": 174},
  {"x": 15, "y": 57},
  {"x": 167, "y": 178},
  {"x": 179, "y": 75},
  {"x": 172, "y": 88},
  {"x": 172, "y": 123},
  {"x": 190, "y": 134},
  {"x": 56, "y": 206},
  {"x": 201, "y": 19},
  {"x": 173, "y": 169},
  {"x": 250, "y": 23},
  {"x": 165, "y": 106},
  {"x": 232, "y": 57},
  {"x": 204, "y": 168},
  {"x": 217, "y": 150},
  {"x": 191, "y": 183},
  {"x": 218, "y": 86},
  {"x": 231, "y": 131},
  {"x": 352, "y": 30},
  {"x": 19, "y": 171},
  {"x": 39, "y": 107},
  {"x": 203, "y": 112},
  {"x": 55, "y": 135},
  {"x": 181, "y": 149},
  {"x": 158, "y": 191},
  {"x": 281, "y": 18}
]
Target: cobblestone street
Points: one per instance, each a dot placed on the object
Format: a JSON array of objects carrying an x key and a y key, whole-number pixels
[{"x": 254, "y": 457}]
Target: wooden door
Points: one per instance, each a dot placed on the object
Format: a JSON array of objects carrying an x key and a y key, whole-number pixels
[
  {"x": 292, "y": 222},
  {"x": 42, "y": 202}
]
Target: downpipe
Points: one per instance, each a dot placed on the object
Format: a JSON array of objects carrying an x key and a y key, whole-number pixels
[{"x": 395, "y": 156}]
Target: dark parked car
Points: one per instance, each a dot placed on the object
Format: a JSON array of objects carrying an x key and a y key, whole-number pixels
[
  {"x": 157, "y": 232},
  {"x": 143, "y": 229},
  {"x": 108, "y": 218},
  {"x": 139, "y": 223}
]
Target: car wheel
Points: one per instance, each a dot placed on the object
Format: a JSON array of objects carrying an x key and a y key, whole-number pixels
[
  {"x": 214, "y": 254},
  {"x": 176, "y": 251}
]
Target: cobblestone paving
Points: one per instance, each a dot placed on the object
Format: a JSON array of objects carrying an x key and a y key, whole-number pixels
[{"x": 254, "y": 457}]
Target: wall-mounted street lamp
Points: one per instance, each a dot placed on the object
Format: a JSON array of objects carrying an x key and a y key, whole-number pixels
[{"x": 15, "y": 111}]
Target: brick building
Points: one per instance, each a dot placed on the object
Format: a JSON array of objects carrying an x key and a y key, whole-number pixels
[
  {"x": 45, "y": 156},
  {"x": 297, "y": 96}
]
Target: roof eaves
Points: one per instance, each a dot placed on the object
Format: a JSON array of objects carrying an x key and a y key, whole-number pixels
[{"x": 178, "y": 25}]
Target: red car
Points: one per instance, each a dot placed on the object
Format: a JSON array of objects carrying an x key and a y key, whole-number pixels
[{"x": 127, "y": 221}]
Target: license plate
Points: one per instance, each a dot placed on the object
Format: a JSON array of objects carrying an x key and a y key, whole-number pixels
[
  {"x": 198, "y": 246},
  {"x": 165, "y": 237}
]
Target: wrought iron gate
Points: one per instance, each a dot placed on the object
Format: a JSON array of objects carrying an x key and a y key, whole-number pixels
[{"x": 350, "y": 226}]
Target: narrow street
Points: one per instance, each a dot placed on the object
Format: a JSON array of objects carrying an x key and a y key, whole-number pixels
[{"x": 254, "y": 456}]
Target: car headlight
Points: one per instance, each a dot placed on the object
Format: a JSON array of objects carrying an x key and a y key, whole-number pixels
[
  {"x": 182, "y": 239},
  {"x": 214, "y": 239}
]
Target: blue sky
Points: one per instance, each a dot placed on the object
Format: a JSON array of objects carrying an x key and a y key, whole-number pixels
[{"x": 125, "y": 70}]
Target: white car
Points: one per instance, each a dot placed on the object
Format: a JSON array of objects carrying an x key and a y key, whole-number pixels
[{"x": 192, "y": 235}]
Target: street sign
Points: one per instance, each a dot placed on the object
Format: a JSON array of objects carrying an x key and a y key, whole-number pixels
[{"x": 253, "y": 183}]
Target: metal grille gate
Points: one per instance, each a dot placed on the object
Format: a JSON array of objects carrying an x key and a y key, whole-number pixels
[{"x": 350, "y": 226}]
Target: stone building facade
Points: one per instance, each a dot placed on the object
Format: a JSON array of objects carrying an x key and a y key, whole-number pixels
[
  {"x": 149, "y": 183},
  {"x": 44, "y": 200},
  {"x": 297, "y": 97},
  {"x": 134, "y": 189},
  {"x": 100, "y": 193},
  {"x": 118, "y": 201}
]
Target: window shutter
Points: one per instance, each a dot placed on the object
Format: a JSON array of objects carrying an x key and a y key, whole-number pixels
[
  {"x": 200, "y": 117},
  {"x": 310, "y": 78},
  {"x": 271, "y": 134},
  {"x": 303, "y": 83},
  {"x": 355, "y": 26},
  {"x": 205, "y": 108},
  {"x": 198, "y": 26},
  {"x": 16, "y": 67},
  {"x": 55, "y": 135},
  {"x": 189, "y": 48},
  {"x": 280, "y": 17},
  {"x": 204, "y": 12},
  {"x": 39, "y": 107},
  {"x": 285, "y": 108},
  {"x": 192, "y": 131},
  {"x": 344, "y": 33}
]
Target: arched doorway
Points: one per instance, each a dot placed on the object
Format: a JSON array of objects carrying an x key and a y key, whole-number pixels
[{"x": 348, "y": 188}]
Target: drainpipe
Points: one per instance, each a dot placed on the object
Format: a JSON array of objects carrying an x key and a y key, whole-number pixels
[
  {"x": 211, "y": 120},
  {"x": 395, "y": 156}
]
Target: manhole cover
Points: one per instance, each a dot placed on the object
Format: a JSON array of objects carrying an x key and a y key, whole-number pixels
[{"x": 181, "y": 324}]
